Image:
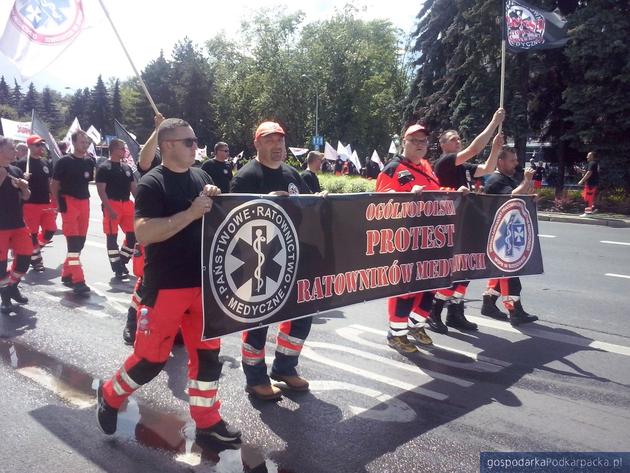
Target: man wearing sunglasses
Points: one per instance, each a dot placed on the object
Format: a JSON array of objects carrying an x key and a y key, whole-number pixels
[
  {"x": 218, "y": 168},
  {"x": 454, "y": 171},
  {"x": 409, "y": 172},
  {"x": 171, "y": 201},
  {"x": 38, "y": 211}
]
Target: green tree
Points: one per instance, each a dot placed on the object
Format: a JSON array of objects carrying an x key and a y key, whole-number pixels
[
  {"x": 31, "y": 101},
  {"x": 5, "y": 93},
  {"x": 99, "y": 108},
  {"x": 50, "y": 111},
  {"x": 16, "y": 96},
  {"x": 117, "y": 111},
  {"x": 79, "y": 107}
]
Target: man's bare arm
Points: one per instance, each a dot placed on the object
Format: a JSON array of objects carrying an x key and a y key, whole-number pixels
[
  {"x": 491, "y": 163},
  {"x": 481, "y": 140}
]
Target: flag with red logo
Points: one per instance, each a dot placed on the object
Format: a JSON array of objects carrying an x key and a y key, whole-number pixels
[{"x": 527, "y": 28}]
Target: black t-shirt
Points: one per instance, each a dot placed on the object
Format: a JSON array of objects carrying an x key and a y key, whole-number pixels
[
  {"x": 39, "y": 183},
  {"x": 174, "y": 263},
  {"x": 75, "y": 175},
  {"x": 254, "y": 178},
  {"x": 593, "y": 166},
  {"x": 453, "y": 176},
  {"x": 311, "y": 180},
  {"x": 11, "y": 215},
  {"x": 117, "y": 178},
  {"x": 220, "y": 172},
  {"x": 498, "y": 183}
]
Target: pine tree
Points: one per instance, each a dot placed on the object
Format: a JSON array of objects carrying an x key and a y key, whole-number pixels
[
  {"x": 50, "y": 111},
  {"x": 31, "y": 101},
  {"x": 100, "y": 112},
  {"x": 116, "y": 102},
  {"x": 5, "y": 94},
  {"x": 16, "y": 96}
]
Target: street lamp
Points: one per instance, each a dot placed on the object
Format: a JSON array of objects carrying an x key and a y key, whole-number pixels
[{"x": 316, "y": 106}]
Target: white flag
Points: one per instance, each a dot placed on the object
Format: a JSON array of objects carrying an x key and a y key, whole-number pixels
[
  {"x": 37, "y": 32},
  {"x": 201, "y": 153},
  {"x": 342, "y": 152},
  {"x": 94, "y": 135},
  {"x": 376, "y": 159},
  {"x": 355, "y": 160},
  {"x": 68, "y": 138},
  {"x": 329, "y": 152},
  {"x": 15, "y": 130},
  {"x": 392, "y": 148},
  {"x": 349, "y": 150},
  {"x": 298, "y": 151},
  {"x": 237, "y": 157}
]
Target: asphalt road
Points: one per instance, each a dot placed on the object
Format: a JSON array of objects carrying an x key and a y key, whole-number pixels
[{"x": 562, "y": 384}]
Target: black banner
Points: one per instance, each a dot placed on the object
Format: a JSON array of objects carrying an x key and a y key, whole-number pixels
[
  {"x": 270, "y": 259},
  {"x": 527, "y": 28}
]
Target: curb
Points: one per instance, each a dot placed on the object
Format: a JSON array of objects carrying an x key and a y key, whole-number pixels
[{"x": 607, "y": 222}]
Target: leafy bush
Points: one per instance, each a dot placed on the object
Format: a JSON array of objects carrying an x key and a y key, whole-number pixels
[{"x": 346, "y": 184}]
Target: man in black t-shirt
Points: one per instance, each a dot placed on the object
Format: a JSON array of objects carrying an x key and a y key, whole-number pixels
[
  {"x": 590, "y": 181},
  {"x": 314, "y": 162},
  {"x": 13, "y": 233},
  {"x": 38, "y": 211},
  {"x": 115, "y": 183},
  {"x": 502, "y": 181},
  {"x": 454, "y": 171},
  {"x": 171, "y": 201},
  {"x": 268, "y": 174},
  {"x": 218, "y": 168},
  {"x": 70, "y": 190}
]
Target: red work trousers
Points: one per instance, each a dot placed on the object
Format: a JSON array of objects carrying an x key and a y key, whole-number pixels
[
  {"x": 18, "y": 240},
  {"x": 75, "y": 222}
]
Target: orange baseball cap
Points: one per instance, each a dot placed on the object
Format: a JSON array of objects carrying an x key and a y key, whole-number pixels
[
  {"x": 34, "y": 139},
  {"x": 268, "y": 128},
  {"x": 414, "y": 129}
]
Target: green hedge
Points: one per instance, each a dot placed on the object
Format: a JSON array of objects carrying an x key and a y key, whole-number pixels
[{"x": 346, "y": 184}]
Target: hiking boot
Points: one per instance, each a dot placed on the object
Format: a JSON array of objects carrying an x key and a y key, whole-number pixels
[
  {"x": 129, "y": 334},
  {"x": 455, "y": 317},
  {"x": 67, "y": 281},
  {"x": 81, "y": 288},
  {"x": 106, "y": 415},
  {"x": 264, "y": 392},
  {"x": 121, "y": 275},
  {"x": 221, "y": 431},
  {"x": 420, "y": 335},
  {"x": 14, "y": 293},
  {"x": 6, "y": 307},
  {"x": 518, "y": 315},
  {"x": 489, "y": 308},
  {"x": 435, "y": 317},
  {"x": 402, "y": 344},
  {"x": 293, "y": 382},
  {"x": 38, "y": 266}
]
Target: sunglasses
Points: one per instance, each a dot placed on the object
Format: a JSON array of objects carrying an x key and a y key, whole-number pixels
[
  {"x": 40, "y": 144},
  {"x": 417, "y": 142},
  {"x": 188, "y": 142}
]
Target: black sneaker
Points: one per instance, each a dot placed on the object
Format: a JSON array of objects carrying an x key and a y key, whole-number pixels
[
  {"x": 121, "y": 275},
  {"x": 67, "y": 281},
  {"x": 6, "y": 307},
  {"x": 221, "y": 431},
  {"x": 129, "y": 335},
  {"x": 106, "y": 416},
  {"x": 81, "y": 288},
  {"x": 14, "y": 293}
]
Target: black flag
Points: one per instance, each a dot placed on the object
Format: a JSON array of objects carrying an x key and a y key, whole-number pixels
[
  {"x": 130, "y": 141},
  {"x": 38, "y": 127},
  {"x": 527, "y": 28}
]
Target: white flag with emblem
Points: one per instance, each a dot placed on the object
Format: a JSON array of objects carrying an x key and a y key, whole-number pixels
[
  {"x": 94, "y": 135},
  {"x": 237, "y": 157},
  {"x": 15, "y": 130},
  {"x": 329, "y": 152},
  {"x": 298, "y": 151},
  {"x": 68, "y": 138},
  {"x": 38, "y": 31}
]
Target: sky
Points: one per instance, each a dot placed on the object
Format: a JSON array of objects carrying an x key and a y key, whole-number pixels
[{"x": 147, "y": 26}]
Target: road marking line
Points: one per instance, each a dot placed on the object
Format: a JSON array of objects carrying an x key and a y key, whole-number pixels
[
  {"x": 73, "y": 306},
  {"x": 111, "y": 301},
  {"x": 57, "y": 386},
  {"x": 613, "y": 275},
  {"x": 557, "y": 337},
  {"x": 615, "y": 242},
  {"x": 546, "y": 236},
  {"x": 311, "y": 354},
  {"x": 96, "y": 244},
  {"x": 394, "y": 363},
  {"x": 352, "y": 333}
]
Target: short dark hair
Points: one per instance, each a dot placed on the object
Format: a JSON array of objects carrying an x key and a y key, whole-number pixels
[
  {"x": 116, "y": 143},
  {"x": 5, "y": 140},
  {"x": 220, "y": 144},
  {"x": 506, "y": 150},
  {"x": 75, "y": 134},
  {"x": 444, "y": 137},
  {"x": 168, "y": 126},
  {"x": 313, "y": 155}
]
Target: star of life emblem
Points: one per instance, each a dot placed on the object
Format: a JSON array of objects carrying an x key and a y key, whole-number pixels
[
  {"x": 511, "y": 237},
  {"x": 48, "y": 21}
]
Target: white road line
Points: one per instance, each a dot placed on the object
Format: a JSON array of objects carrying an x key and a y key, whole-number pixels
[
  {"x": 353, "y": 332},
  {"x": 84, "y": 310},
  {"x": 58, "y": 387},
  {"x": 615, "y": 242},
  {"x": 111, "y": 301},
  {"x": 546, "y": 236},
  {"x": 393, "y": 363},
  {"x": 613, "y": 275},
  {"x": 96, "y": 244},
  {"x": 548, "y": 335},
  {"x": 311, "y": 354}
]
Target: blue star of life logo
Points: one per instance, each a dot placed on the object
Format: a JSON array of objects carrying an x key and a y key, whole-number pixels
[
  {"x": 39, "y": 12},
  {"x": 512, "y": 235}
]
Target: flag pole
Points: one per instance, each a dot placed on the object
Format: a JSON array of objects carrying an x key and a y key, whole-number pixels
[
  {"x": 28, "y": 149},
  {"x": 502, "y": 89},
  {"x": 133, "y": 66}
]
